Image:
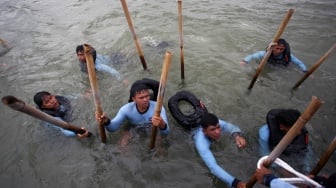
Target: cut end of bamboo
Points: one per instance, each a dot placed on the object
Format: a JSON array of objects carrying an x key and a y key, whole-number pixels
[{"x": 8, "y": 100}]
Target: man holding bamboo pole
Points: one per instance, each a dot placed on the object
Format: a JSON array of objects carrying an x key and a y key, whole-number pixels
[
  {"x": 139, "y": 113},
  {"x": 58, "y": 107}
]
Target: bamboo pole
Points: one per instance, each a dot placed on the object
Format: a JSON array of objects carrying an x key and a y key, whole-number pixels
[
  {"x": 94, "y": 87},
  {"x": 135, "y": 38},
  {"x": 269, "y": 51},
  {"x": 179, "y": 3},
  {"x": 290, "y": 135},
  {"x": 159, "y": 102},
  {"x": 19, "y": 105},
  {"x": 324, "y": 158},
  {"x": 314, "y": 67}
]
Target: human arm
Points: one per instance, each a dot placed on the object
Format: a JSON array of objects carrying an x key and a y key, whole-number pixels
[
  {"x": 255, "y": 56},
  {"x": 99, "y": 66},
  {"x": 263, "y": 140},
  {"x": 234, "y": 131},
  {"x": 299, "y": 63},
  {"x": 202, "y": 144},
  {"x": 115, "y": 123}
]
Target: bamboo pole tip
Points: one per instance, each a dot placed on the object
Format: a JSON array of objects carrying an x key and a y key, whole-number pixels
[
  {"x": 9, "y": 100},
  {"x": 314, "y": 98}
]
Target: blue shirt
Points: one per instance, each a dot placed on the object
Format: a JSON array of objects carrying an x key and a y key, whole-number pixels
[
  {"x": 203, "y": 143},
  {"x": 258, "y": 56},
  {"x": 130, "y": 112},
  {"x": 278, "y": 183},
  {"x": 100, "y": 65}
]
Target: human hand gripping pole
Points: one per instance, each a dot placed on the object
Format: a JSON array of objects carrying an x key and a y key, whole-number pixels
[
  {"x": 269, "y": 51},
  {"x": 21, "y": 106},
  {"x": 94, "y": 87},
  {"x": 290, "y": 135},
  {"x": 159, "y": 102}
]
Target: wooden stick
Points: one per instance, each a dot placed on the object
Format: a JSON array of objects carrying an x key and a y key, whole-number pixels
[
  {"x": 159, "y": 102},
  {"x": 269, "y": 51},
  {"x": 324, "y": 158},
  {"x": 179, "y": 3},
  {"x": 290, "y": 135},
  {"x": 19, "y": 105},
  {"x": 314, "y": 67},
  {"x": 94, "y": 87},
  {"x": 135, "y": 38}
]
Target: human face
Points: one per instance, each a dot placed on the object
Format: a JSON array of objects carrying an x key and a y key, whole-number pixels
[
  {"x": 213, "y": 131},
  {"x": 141, "y": 99},
  {"x": 81, "y": 56},
  {"x": 49, "y": 102},
  {"x": 278, "y": 49}
]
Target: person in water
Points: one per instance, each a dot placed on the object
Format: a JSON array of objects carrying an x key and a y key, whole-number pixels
[
  {"x": 99, "y": 62},
  {"x": 281, "y": 55},
  {"x": 266, "y": 177},
  {"x": 139, "y": 113},
  {"x": 58, "y": 107},
  {"x": 211, "y": 130},
  {"x": 279, "y": 121}
]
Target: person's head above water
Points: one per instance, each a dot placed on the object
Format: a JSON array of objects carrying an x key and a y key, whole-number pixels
[{"x": 81, "y": 55}]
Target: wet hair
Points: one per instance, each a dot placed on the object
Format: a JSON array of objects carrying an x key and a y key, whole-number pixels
[
  {"x": 80, "y": 48},
  {"x": 288, "y": 117},
  {"x": 209, "y": 119},
  {"x": 38, "y": 98},
  {"x": 287, "y": 52},
  {"x": 136, "y": 88}
]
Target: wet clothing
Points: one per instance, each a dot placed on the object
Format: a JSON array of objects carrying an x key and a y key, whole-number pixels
[
  {"x": 64, "y": 113},
  {"x": 270, "y": 135},
  {"x": 203, "y": 143},
  {"x": 139, "y": 120},
  {"x": 100, "y": 65},
  {"x": 275, "y": 60},
  {"x": 272, "y": 181}
]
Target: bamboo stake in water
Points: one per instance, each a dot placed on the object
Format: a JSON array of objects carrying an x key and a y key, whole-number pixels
[
  {"x": 136, "y": 40},
  {"x": 94, "y": 87},
  {"x": 159, "y": 102}
]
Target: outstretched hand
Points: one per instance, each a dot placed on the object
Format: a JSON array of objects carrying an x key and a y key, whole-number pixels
[
  {"x": 240, "y": 141},
  {"x": 85, "y": 134},
  {"x": 102, "y": 117}
]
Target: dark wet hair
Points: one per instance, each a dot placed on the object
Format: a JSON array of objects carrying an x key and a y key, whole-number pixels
[
  {"x": 288, "y": 117},
  {"x": 137, "y": 88},
  {"x": 209, "y": 119},
  {"x": 287, "y": 51},
  {"x": 38, "y": 98},
  {"x": 80, "y": 48}
]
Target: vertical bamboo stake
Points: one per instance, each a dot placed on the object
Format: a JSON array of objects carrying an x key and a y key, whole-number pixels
[
  {"x": 135, "y": 38},
  {"x": 179, "y": 2},
  {"x": 159, "y": 102},
  {"x": 94, "y": 87},
  {"x": 269, "y": 51}
]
